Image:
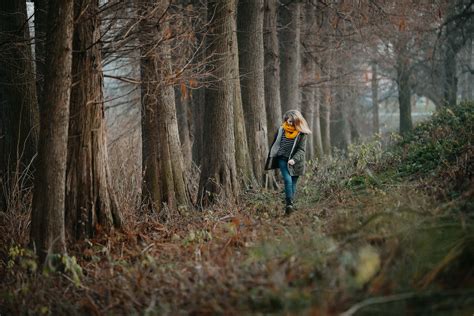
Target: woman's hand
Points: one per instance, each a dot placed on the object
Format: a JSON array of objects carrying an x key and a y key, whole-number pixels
[{"x": 291, "y": 162}]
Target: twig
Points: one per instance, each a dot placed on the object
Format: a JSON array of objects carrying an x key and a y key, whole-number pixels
[{"x": 377, "y": 300}]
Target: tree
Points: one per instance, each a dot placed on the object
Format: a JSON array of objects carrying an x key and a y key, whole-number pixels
[
  {"x": 47, "y": 222},
  {"x": 18, "y": 103},
  {"x": 289, "y": 42},
  {"x": 219, "y": 174},
  {"x": 272, "y": 69},
  {"x": 375, "y": 99},
  {"x": 251, "y": 60},
  {"x": 162, "y": 159},
  {"x": 90, "y": 199}
]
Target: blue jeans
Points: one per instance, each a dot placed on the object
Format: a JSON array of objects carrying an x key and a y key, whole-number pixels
[{"x": 290, "y": 182}]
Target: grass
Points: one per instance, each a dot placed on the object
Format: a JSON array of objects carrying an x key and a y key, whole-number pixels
[{"x": 378, "y": 231}]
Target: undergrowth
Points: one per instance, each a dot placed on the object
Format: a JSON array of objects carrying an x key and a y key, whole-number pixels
[{"x": 378, "y": 231}]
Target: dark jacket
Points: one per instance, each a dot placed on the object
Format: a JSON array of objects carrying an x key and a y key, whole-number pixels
[{"x": 297, "y": 154}]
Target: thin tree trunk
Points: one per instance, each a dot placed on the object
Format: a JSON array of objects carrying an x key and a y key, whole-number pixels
[
  {"x": 151, "y": 191},
  {"x": 340, "y": 125},
  {"x": 251, "y": 59},
  {"x": 289, "y": 40},
  {"x": 172, "y": 166},
  {"x": 47, "y": 223},
  {"x": 317, "y": 137},
  {"x": 404, "y": 93},
  {"x": 272, "y": 70},
  {"x": 450, "y": 80},
  {"x": 40, "y": 21},
  {"x": 325, "y": 119},
  {"x": 19, "y": 121},
  {"x": 375, "y": 100},
  {"x": 219, "y": 174},
  {"x": 90, "y": 199},
  {"x": 243, "y": 162},
  {"x": 182, "y": 113},
  {"x": 308, "y": 72}
]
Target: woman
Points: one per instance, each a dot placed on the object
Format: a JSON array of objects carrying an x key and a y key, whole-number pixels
[{"x": 288, "y": 153}]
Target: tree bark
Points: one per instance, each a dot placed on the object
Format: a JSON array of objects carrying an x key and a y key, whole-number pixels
[
  {"x": 19, "y": 121},
  {"x": 40, "y": 20},
  {"x": 251, "y": 60},
  {"x": 243, "y": 162},
  {"x": 375, "y": 100},
  {"x": 340, "y": 125},
  {"x": 404, "y": 92},
  {"x": 47, "y": 223},
  {"x": 317, "y": 137},
  {"x": 219, "y": 174},
  {"x": 272, "y": 70},
  {"x": 90, "y": 199},
  {"x": 163, "y": 166},
  {"x": 325, "y": 119},
  {"x": 450, "y": 81},
  {"x": 183, "y": 102},
  {"x": 173, "y": 184},
  {"x": 289, "y": 42}
]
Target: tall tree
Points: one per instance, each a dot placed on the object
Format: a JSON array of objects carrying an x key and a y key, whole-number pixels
[
  {"x": 40, "y": 21},
  {"x": 375, "y": 99},
  {"x": 18, "y": 104},
  {"x": 325, "y": 118},
  {"x": 272, "y": 69},
  {"x": 251, "y": 60},
  {"x": 90, "y": 199},
  {"x": 162, "y": 159},
  {"x": 289, "y": 42},
  {"x": 219, "y": 174},
  {"x": 403, "y": 69},
  {"x": 47, "y": 222},
  {"x": 243, "y": 162}
]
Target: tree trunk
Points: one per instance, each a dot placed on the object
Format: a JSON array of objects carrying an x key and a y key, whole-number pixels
[
  {"x": 340, "y": 125},
  {"x": 289, "y": 41},
  {"x": 251, "y": 59},
  {"x": 325, "y": 119},
  {"x": 40, "y": 20},
  {"x": 242, "y": 153},
  {"x": 151, "y": 194},
  {"x": 375, "y": 100},
  {"x": 404, "y": 93},
  {"x": 163, "y": 165},
  {"x": 450, "y": 80},
  {"x": 272, "y": 70},
  {"x": 183, "y": 102},
  {"x": 47, "y": 223},
  {"x": 317, "y": 137},
  {"x": 173, "y": 185},
  {"x": 219, "y": 174},
  {"x": 19, "y": 121},
  {"x": 308, "y": 73},
  {"x": 90, "y": 199}
]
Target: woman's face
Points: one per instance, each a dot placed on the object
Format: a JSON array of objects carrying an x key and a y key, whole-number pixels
[{"x": 290, "y": 121}]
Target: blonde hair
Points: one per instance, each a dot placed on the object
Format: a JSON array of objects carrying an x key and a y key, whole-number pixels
[{"x": 300, "y": 123}]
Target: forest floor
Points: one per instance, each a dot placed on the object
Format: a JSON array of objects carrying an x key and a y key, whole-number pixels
[{"x": 378, "y": 231}]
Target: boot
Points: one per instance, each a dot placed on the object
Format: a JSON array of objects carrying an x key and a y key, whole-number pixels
[{"x": 289, "y": 207}]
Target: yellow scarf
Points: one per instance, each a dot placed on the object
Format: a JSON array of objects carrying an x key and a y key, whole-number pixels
[{"x": 290, "y": 130}]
